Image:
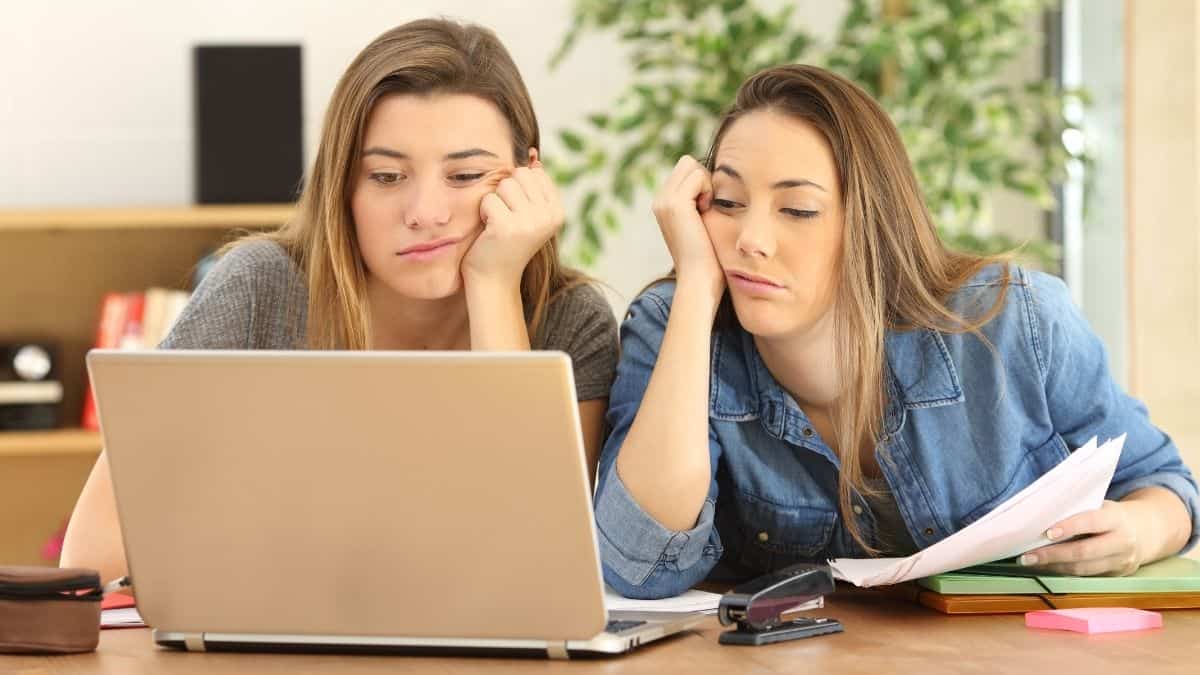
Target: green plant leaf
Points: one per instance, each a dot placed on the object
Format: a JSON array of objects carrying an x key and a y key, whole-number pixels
[
  {"x": 572, "y": 140},
  {"x": 936, "y": 69}
]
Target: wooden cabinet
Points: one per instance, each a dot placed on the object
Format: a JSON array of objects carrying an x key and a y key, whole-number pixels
[{"x": 55, "y": 266}]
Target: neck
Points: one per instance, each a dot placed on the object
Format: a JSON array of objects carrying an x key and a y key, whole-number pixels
[
  {"x": 805, "y": 364},
  {"x": 401, "y": 323}
]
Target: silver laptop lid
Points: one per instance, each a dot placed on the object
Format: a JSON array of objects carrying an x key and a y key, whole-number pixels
[{"x": 353, "y": 493}]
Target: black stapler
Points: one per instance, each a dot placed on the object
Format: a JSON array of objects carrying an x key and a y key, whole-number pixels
[{"x": 757, "y": 606}]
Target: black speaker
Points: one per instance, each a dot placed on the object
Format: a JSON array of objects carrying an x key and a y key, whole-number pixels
[{"x": 249, "y": 146}]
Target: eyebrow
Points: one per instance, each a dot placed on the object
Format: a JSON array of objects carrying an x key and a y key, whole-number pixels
[
  {"x": 460, "y": 154},
  {"x": 777, "y": 185}
]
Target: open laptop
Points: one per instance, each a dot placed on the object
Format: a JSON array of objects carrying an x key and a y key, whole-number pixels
[{"x": 359, "y": 501}]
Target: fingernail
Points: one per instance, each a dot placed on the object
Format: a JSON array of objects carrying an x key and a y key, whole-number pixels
[
  {"x": 1054, "y": 533},
  {"x": 1028, "y": 559}
]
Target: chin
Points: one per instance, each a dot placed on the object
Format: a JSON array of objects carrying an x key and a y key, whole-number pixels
[
  {"x": 762, "y": 320},
  {"x": 432, "y": 285}
]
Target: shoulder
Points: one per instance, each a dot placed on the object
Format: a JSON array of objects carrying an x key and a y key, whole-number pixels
[
  {"x": 257, "y": 259},
  {"x": 576, "y": 315},
  {"x": 1030, "y": 296},
  {"x": 1017, "y": 283},
  {"x": 998, "y": 289},
  {"x": 580, "y": 303},
  {"x": 653, "y": 304},
  {"x": 580, "y": 322},
  {"x": 254, "y": 297},
  {"x": 1036, "y": 312},
  {"x": 257, "y": 271}
]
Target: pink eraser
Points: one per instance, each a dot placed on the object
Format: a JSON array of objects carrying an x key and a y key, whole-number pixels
[{"x": 1094, "y": 619}]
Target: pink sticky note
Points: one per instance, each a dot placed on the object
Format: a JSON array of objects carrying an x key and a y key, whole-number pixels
[{"x": 1094, "y": 619}]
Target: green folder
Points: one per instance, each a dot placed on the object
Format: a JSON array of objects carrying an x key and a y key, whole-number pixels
[{"x": 1171, "y": 575}]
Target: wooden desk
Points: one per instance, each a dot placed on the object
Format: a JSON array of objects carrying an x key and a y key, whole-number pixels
[{"x": 883, "y": 635}]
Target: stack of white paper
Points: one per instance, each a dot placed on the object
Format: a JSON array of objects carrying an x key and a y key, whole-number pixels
[
  {"x": 1077, "y": 484},
  {"x": 126, "y": 617},
  {"x": 691, "y": 601}
]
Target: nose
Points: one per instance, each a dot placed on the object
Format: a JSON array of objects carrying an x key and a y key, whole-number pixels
[
  {"x": 756, "y": 238},
  {"x": 429, "y": 205}
]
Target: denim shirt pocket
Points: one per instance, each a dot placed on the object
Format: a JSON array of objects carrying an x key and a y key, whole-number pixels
[
  {"x": 773, "y": 535},
  {"x": 1029, "y": 468}
]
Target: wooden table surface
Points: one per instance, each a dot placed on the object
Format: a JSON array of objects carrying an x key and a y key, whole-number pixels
[{"x": 883, "y": 634}]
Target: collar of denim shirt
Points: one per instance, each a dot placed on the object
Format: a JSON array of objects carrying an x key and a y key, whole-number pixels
[{"x": 919, "y": 374}]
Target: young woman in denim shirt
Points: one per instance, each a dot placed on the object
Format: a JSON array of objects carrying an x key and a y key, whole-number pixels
[{"x": 823, "y": 378}]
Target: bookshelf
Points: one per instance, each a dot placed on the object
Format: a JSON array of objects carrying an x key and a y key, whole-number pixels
[
  {"x": 214, "y": 217},
  {"x": 57, "y": 442},
  {"x": 55, "y": 266}
]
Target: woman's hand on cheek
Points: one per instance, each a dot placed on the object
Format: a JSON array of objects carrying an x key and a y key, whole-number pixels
[
  {"x": 687, "y": 193},
  {"x": 519, "y": 217},
  {"x": 1109, "y": 543}
]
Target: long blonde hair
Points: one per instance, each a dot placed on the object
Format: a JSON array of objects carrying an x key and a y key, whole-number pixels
[
  {"x": 419, "y": 57},
  {"x": 895, "y": 273}
]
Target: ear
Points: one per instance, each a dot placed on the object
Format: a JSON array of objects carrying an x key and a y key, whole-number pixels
[{"x": 533, "y": 157}]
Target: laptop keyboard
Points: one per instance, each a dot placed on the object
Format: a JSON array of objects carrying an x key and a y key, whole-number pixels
[{"x": 620, "y": 626}]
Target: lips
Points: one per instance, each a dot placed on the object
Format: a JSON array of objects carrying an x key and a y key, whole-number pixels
[
  {"x": 745, "y": 278},
  {"x": 429, "y": 247}
]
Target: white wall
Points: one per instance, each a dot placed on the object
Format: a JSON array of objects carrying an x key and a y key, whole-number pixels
[
  {"x": 97, "y": 101},
  {"x": 96, "y": 104}
]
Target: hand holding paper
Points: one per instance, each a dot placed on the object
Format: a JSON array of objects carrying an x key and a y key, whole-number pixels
[{"x": 1077, "y": 484}]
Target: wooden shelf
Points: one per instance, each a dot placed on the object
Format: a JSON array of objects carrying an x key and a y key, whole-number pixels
[
  {"x": 54, "y": 442},
  {"x": 55, "y": 267},
  {"x": 216, "y": 216},
  {"x": 57, "y": 264}
]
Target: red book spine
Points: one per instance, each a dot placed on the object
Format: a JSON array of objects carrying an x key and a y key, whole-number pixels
[
  {"x": 109, "y": 331},
  {"x": 132, "y": 331}
]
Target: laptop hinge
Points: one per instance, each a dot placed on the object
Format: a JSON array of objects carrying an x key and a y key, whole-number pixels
[
  {"x": 556, "y": 650},
  {"x": 194, "y": 642}
]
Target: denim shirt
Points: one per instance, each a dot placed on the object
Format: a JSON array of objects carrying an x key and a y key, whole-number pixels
[{"x": 966, "y": 427}]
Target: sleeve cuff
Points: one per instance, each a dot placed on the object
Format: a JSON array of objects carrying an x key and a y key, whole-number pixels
[
  {"x": 1180, "y": 485},
  {"x": 632, "y": 543}
]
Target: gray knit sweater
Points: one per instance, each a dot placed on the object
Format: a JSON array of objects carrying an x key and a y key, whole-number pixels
[{"x": 255, "y": 297}]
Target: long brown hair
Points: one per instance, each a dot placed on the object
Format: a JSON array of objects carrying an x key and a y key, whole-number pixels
[
  {"x": 895, "y": 273},
  {"x": 419, "y": 57}
]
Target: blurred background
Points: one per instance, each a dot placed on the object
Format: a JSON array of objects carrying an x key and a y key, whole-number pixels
[{"x": 1067, "y": 130}]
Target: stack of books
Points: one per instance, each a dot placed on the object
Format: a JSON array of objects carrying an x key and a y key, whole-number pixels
[
  {"x": 137, "y": 320},
  {"x": 998, "y": 588}
]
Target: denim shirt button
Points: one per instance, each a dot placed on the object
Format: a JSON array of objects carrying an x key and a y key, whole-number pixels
[
  {"x": 808, "y": 432},
  {"x": 857, "y": 510},
  {"x": 929, "y": 532},
  {"x": 763, "y": 536}
]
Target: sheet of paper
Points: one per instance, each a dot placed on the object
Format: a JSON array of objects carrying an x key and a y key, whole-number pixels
[
  {"x": 691, "y": 601},
  {"x": 1077, "y": 484},
  {"x": 126, "y": 617}
]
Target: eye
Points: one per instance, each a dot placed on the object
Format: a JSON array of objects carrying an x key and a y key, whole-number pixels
[
  {"x": 465, "y": 177},
  {"x": 724, "y": 203},
  {"x": 800, "y": 213},
  {"x": 385, "y": 177}
]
